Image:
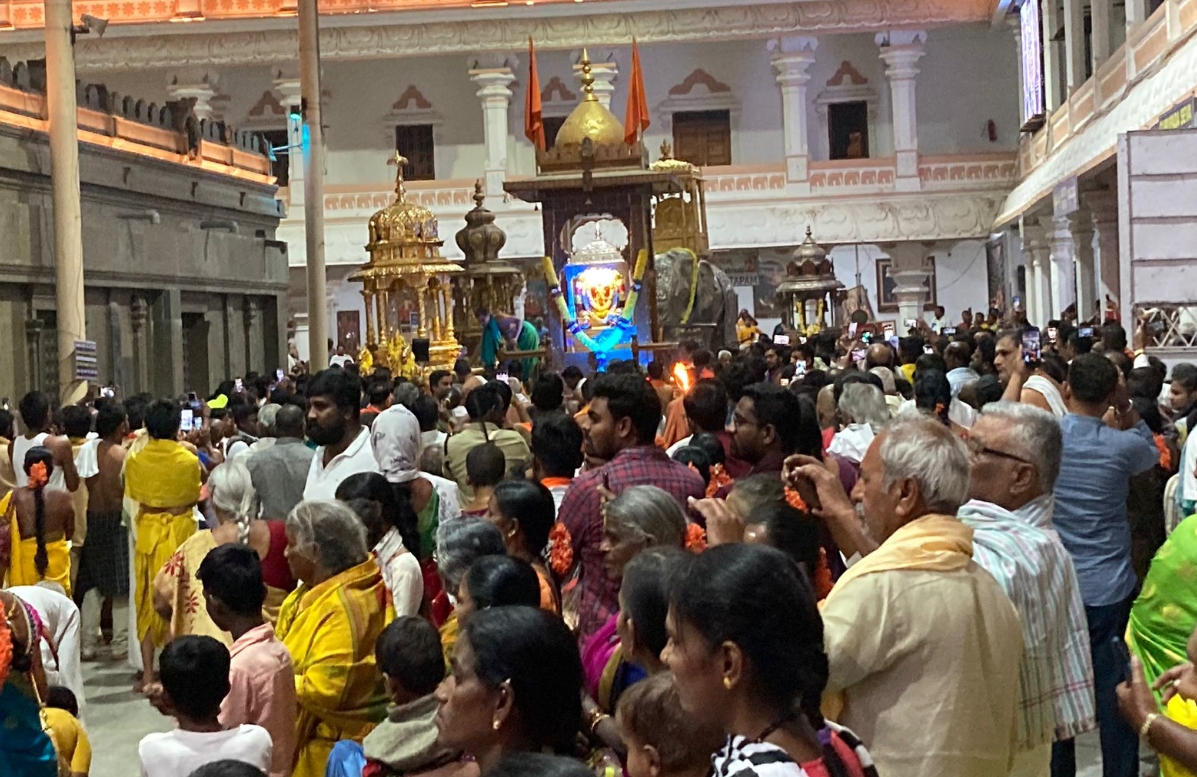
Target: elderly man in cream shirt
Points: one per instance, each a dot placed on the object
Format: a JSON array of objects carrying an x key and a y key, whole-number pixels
[{"x": 924, "y": 645}]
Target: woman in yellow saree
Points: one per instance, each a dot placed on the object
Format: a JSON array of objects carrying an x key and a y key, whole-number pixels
[
  {"x": 330, "y": 624},
  {"x": 40, "y": 521}
]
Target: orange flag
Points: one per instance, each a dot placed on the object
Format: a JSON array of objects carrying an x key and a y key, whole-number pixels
[
  {"x": 533, "y": 121},
  {"x": 636, "y": 118}
]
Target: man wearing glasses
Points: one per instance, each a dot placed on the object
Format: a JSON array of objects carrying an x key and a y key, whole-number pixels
[{"x": 1014, "y": 453}]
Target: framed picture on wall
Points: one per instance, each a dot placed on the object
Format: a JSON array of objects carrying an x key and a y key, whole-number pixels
[{"x": 887, "y": 301}]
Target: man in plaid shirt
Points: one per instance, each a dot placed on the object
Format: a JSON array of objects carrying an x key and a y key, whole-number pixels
[{"x": 621, "y": 427}]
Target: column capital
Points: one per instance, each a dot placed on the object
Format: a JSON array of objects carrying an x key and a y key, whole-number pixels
[
  {"x": 792, "y": 60},
  {"x": 289, "y": 90},
  {"x": 493, "y": 82},
  {"x": 197, "y": 85},
  {"x": 793, "y": 44},
  {"x": 493, "y": 60},
  {"x": 902, "y": 50}
]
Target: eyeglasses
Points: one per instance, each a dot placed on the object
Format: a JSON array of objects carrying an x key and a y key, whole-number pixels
[{"x": 977, "y": 447}]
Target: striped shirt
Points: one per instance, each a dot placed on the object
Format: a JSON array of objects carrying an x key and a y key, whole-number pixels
[
  {"x": 741, "y": 757},
  {"x": 1034, "y": 569}
]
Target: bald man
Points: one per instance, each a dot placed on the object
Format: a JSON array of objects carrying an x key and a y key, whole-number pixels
[
  {"x": 958, "y": 357},
  {"x": 879, "y": 355},
  {"x": 280, "y": 472}
]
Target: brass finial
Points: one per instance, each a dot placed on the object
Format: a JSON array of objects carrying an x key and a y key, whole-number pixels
[
  {"x": 809, "y": 236},
  {"x": 666, "y": 150},
  {"x": 587, "y": 78},
  {"x": 398, "y": 161},
  {"x": 479, "y": 195}
]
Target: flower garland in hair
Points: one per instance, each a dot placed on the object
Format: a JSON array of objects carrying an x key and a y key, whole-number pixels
[
  {"x": 719, "y": 479},
  {"x": 795, "y": 500},
  {"x": 37, "y": 475},
  {"x": 820, "y": 577},
  {"x": 561, "y": 550},
  {"x": 5, "y": 650},
  {"x": 696, "y": 538}
]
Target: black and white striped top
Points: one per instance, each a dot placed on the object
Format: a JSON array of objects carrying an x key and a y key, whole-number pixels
[{"x": 741, "y": 757}]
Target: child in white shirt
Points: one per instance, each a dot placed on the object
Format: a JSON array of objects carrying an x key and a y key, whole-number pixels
[{"x": 195, "y": 680}]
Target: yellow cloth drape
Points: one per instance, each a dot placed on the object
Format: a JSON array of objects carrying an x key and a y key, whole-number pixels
[
  {"x": 330, "y": 631},
  {"x": 1184, "y": 712},
  {"x": 449, "y": 633},
  {"x": 935, "y": 543},
  {"x": 163, "y": 477},
  {"x": 22, "y": 569},
  {"x": 176, "y": 582}
]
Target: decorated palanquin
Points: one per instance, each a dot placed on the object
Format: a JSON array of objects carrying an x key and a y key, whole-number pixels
[
  {"x": 407, "y": 273},
  {"x": 811, "y": 296},
  {"x": 597, "y": 279}
]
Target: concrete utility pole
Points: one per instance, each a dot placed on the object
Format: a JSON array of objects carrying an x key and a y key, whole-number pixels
[
  {"x": 64, "y": 178},
  {"x": 313, "y": 205}
]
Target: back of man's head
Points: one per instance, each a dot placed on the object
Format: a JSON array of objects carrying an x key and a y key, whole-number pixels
[
  {"x": 557, "y": 444},
  {"x": 35, "y": 410},
  {"x": 548, "y": 394},
  {"x": 426, "y": 412},
  {"x": 632, "y": 397},
  {"x": 109, "y": 419},
  {"x": 919, "y": 448},
  {"x": 485, "y": 465},
  {"x": 195, "y": 675},
  {"x": 162, "y": 419},
  {"x": 1092, "y": 378},
  {"x": 76, "y": 421},
  {"x": 1032, "y": 434},
  {"x": 409, "y": 652},
  {"x": 233, "y": 574},
  {"x": 706, "y": 405},
  {"x": 1113, "y": 337}
]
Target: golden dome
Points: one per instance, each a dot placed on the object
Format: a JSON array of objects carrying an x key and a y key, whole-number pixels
[
  {"x": 590, "y": 119},
  {"x": 402, "y": 223}
]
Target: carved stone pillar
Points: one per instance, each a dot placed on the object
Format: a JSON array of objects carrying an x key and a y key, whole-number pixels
[
  {"x": 1053, "y": 63},
  {"x": 1063, "y": 266},
  {"x": 1035, "y": 255},
  {"x": 1103, "y": 209},
  {"x": 1074, "y": 43},
  {"x": 792, "y": 59},
  {"x": 902, "y": 50},
  {"x": 910, "y": 272},
  {"x": 255, "y": 357},
  {"x": 37, "y": 356},
  {"x": 201, "y": 86},
  {"x": 1080, "y": 226},
  {"x": 288, "y": 89},
  {"x": 138, "y": 316},
  {"x": 494, "y": 91}
]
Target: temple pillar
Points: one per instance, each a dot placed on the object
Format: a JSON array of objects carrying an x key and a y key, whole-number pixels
[
  {"x": 1103, "y": 210},
  {"x": 1099, "y": 37},
  {"x": 1074, "y": 44},
  {"x": 494, "y": 91},
  {"x": 910, "y": 272},
  {"x": 1080, "y": 226},
  {"x": 902, "y": 50},
  {"x": 200, "y": 86},
  {"x": 1063, "y": 266},
  {"x": 792, "y": 59},
  {"x": 1034, "y": 250},
  {"x": 288, "y": 89},
  {"x": 1053, "y": 63}
]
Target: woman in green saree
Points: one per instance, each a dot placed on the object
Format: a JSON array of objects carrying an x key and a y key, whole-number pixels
[{"x": 1165, "y": 613}]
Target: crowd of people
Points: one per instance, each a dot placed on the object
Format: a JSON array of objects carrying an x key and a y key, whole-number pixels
[{"x": 842, "y": 555}]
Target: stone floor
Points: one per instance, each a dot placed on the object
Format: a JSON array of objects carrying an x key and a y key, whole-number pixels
[{"x": 117, "y": 719}]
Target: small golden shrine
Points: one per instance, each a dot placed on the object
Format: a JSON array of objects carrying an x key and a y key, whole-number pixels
[
  {"x": 406, "y": 282},
  {"x": 489, "y": 283},
  {"x": 810, "y": 289},
  {"x": 679, "y": 206}
]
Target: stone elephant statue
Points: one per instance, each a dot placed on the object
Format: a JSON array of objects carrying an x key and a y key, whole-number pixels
[{"x": 712, "y": 320}]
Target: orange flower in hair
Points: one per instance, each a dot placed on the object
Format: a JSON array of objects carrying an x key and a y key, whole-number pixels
[
  {"x": 795, "y": 500},
  {"x": 561, "y": 550},
  {"x": 5, "y": 651},
  {"x": 821, "y": 579},
  {"x": 696, "y": 538},
  {"x": 719, "y": 479},
  {"x": 37, "y": 475}
]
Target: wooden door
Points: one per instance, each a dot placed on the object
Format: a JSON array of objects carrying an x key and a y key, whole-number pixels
[{"x": 349, "y": 331}]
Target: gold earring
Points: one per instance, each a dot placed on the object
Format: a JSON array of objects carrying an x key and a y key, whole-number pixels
[
  {"x": 496, "y": 725},
  {"x": 727, "y": 682}
]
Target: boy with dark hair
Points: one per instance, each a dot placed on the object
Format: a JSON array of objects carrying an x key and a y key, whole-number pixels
[
  {"x": 195, "y": 680},
  {"x": 261, "y": 674},
  {"x": 409, "y": 655},
  {"x": 556, "y": 452},
  {"x": 485, "y": 466},
  {"x": 61, "y": 715}
]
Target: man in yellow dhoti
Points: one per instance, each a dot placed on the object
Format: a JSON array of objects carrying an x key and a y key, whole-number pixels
[
  {"x": 330, "y": 624},
  {"x": 164, "y": 479}
]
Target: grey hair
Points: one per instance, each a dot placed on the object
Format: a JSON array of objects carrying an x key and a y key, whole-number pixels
[
  {"x": 233, "y": 492},
  {"x": 864, "y": 404},
  {"x": 920, "y": 448},
  {"x": 329, "y": 531},
  {"x": 1036, "y": 436},
  {"x": 461, "y": 542},
  {"x": 267, "y": 415},
  {"x": 406, "y": 394},
  {"x": 649, "y": 515}
]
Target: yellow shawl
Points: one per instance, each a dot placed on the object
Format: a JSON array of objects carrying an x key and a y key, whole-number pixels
[
  {"x": 937, "y": 543},
  {"x": 330, "y": 631}
]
